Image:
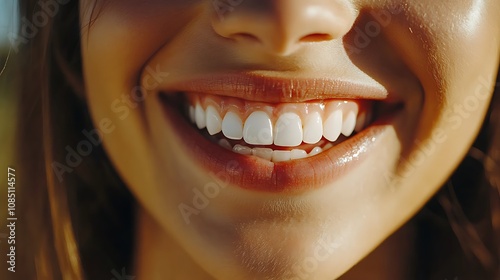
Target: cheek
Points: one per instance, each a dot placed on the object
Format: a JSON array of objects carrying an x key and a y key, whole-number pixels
[
  {"x": 462, "y": 62},
  {"x": 116, "y": 46},
  {"x": 455, "y": 59}
]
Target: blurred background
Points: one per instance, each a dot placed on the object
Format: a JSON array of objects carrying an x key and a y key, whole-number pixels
[
  {"x": 8, "y": 19},
  {"x": 8, "y": 30}
]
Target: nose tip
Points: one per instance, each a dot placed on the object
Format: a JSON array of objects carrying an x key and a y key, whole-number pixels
[{"x": 283, "y": 26}]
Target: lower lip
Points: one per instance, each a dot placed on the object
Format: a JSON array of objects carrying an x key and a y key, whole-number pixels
[{"x": 256, "y": 174}]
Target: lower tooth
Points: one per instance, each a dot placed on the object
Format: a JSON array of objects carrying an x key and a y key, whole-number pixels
[
  {"x": 265, "y": 153},
  {"x": 270, "y": 154},
  {"x": 298, "y": 154},
  {"x": 327, "y": 146},
  {"x": 315, "y": 151},
  {"x": 243, "y": 150},
  {"x": 281, "y": 156},
  {"x": 225, "y": 144}
]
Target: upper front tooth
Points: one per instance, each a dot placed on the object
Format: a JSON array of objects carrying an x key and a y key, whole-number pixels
[
  {"x": 313, "y": 128},
  {"x": 213, "y": 120},
  {"x": 200, "y": 116},
  {"x": 258, "y": 129},
  {"x": 232, "y": 126},
  {"x": 349, "y": 123},
  {"x": 333, "y": 125},
  {"x": 288, "y": 130}
]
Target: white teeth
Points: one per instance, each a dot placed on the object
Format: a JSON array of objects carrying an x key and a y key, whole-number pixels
[
  {"x": 265, "y": 153},
  {"x": 258, "y": 129},
  {"x": 333, "y": 125},
  {"x": 315, "y": 151},
  {"x": 281, "y": 156},
  {"x": 200, "y": 116},
  {"x": 214, "y": 121},
  {"x": 270, "y": 154},
  {"x": 349, "y": 123},
  {"x": 288, "y": 130},
  {"x": 192, "y": 116},
  {"x": 313, "y": 128},
  {"x": 225, "y": 144},
  {"x": 327, "y": 146},
  {"x": 240, "y": 149},
  {"x": 232, "y": 126},
  {"x": 298, "y": 154}
]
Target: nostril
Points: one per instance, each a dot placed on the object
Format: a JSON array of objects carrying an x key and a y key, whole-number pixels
[{"x": 316, "y": 37}]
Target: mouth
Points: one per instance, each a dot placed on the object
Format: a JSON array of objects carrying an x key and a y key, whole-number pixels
[
  {"x": 263, "y": 138},
  {"x": 274, "y": 132}
]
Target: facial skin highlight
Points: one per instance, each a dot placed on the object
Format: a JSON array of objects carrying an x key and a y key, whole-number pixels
[{"x": 437, "y": 59}]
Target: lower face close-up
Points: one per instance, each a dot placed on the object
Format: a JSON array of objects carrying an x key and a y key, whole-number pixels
[{"x": 284, "y": 139}]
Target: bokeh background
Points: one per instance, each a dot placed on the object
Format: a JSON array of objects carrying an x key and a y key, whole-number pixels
[{"x": 8, "y": 18}]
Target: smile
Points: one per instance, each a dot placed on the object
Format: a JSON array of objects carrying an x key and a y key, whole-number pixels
[
  {"x": 275, "y": 132},
  {"x": 303, "y": 143}
]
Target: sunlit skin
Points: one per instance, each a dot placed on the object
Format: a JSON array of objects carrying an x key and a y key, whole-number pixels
[{"x": 438, "y": 58}]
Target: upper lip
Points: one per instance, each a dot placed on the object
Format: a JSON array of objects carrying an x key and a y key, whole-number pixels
[{"x": 270, "y": 89}]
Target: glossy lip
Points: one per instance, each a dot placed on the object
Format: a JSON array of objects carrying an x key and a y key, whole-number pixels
[
  {"x": 257, "y": 174},
  {"x": 272, "y": 89}
]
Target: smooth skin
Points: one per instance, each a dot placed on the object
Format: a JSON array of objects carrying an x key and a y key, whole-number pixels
[{"x": 439, "y": 57}]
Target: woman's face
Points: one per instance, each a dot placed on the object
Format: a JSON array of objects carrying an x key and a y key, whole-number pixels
[{"x": 223, "y": 118}]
